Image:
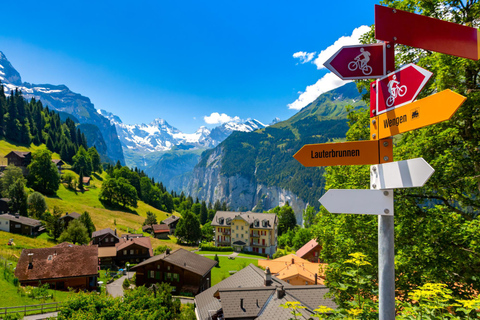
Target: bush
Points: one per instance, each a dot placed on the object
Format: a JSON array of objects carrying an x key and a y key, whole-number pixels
[
  {"x": 126, "y": 284},
  {"x": 209, "y": 247},
  {"x": 161, "y": 249},
  {"x": 218, "y": 261}
]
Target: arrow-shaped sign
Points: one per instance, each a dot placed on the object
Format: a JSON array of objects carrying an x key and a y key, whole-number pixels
[
  {"x": 400, "y": 87},
  {"x": 358, "y": 62},
  {"x": 419, "y": 31},
  {"x": 410, "y": 173},
  {"x": 421, "y": 113},
  {"x": 345, "y": 153},
  {"x": 360, "y": 201}
]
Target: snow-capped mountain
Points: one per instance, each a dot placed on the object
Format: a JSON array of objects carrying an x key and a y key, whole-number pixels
[
  {"x": 62, "y": 99},
  {"x": 160, "y": 136}
]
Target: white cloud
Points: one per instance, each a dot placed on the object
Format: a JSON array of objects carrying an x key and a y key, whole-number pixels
[
  {"x": 343, "y": 41},
  {"x": 304, "y": 56},
  {"x": 217, "y": 118},
  {"x": 329, "y": 82}
]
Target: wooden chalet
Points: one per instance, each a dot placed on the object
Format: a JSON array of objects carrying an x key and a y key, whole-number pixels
[
  {"x": 68, "y": 217},
  {"x": 105, "y": 238},
  {"x": 16, "y": 223},
  {"x": 182, "y": 269},
  {"x": 133, "y": 250},
  {"x": 19, "y": 159},
  {"x": 310, "y": 251},
  {"x": 171, "y": 222},
  {"x": 62, "y": 267}
]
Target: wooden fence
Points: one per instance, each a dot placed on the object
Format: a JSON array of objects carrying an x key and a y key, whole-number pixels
[{"x": 32, "y": 309}]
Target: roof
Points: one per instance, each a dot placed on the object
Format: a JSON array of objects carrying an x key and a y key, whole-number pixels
[
  {"x": 143, "y": 242},
  {"x": 309, "y": 246},
  {"x": 291, "y": 266},
  {"x": 64, "y": 244},
  {"x": 184, "y": 259},
  {"x": 86, "y": 179},
  {"x": 103, "y": 232},
  {"x": 309, "y": 296},
  {"x": 160, "y": 228},
  {"x": 74, "y": 215},
  {"x": 21, "y": 219},
  {"x": 239, "y": 243},
  {"x": 58, "y": 162},
  {"x": 171, "y": 219},
  {"x": 20, "y": 154},
  {"x": 249, "y": 277},
  {"x": 221, "y": 217},
  {"x": 104, "y": 252},
  {"x": 57, "y": 262},
  {"x": 132, "y": 235}
]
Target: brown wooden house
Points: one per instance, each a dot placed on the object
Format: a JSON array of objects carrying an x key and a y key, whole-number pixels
[
  {"x": 105, "y": 237},
  {"x": 19, "y": 159},
  {"x": 62, "y": 267},
  {"x": 182, "y": 269},
  {"x": 133, "y": 250},
  {"x": 161, "y": 231},
  {"x": 68, "y": 217},
  {"x": 16, "y": 223},
  {"x": 59, "y": 163},
  {"x": 172, "y": 222}
]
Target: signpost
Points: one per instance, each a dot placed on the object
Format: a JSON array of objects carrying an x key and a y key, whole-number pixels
[
  {"x": 392, "y": 112},
  {"x": 412, "y": 173},
  {"x": 345, "y": 153},
  {"x": 427, "y": 111},
  {"x": 419, "y": 31},
  {"x": 365, "y": 61},
  {"x": 400, "y": 87},
  {"x": 357, "y": 201}
]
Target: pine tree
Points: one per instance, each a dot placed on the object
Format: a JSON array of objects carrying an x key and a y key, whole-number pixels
[{"x": 80, "y": 180}]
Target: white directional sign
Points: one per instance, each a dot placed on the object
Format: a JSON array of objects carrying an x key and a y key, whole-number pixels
[
  {"x": 411, "y": 173},
  {"x": 358, "y": 201}
]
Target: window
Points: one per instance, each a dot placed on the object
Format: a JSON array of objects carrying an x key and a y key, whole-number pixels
[
  {"x": 152, "y": 274},
  {"x": 176, "y": 277},
  {"x": 124, "y": 252},
  {"x": 106, "y": 239},
  {"x": 306, "y": 282},
  {"x": 131, "y": 251},
  {"x": 168, "y": 268},
  {"x": 237, "y": 227},
  {"x": 242, "y": 227},
  {"x": 242, "y": 235},
  {"x": 169, "y": 276},
  {"x": 158, "y": 267}
]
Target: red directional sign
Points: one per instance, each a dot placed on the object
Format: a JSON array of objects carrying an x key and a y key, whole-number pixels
[
  {"x": 358, "y": 62},
  {"x": 400, "y": 87},
  {"x": 419, "y": 31}
]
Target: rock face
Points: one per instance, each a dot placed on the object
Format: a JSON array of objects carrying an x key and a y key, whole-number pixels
[
  {"x": 62, "y": 99},
  {"x": 241, "y": 194}
]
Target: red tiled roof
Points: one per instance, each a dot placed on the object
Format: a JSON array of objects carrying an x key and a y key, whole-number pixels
[
  {"x": 57, "y": 262},
  {"x": 309, "y": 246},
  {"x": 161, "y": 228}
]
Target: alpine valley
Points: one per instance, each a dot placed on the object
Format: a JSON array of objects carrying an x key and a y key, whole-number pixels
[{"x": 249, "y": 165}]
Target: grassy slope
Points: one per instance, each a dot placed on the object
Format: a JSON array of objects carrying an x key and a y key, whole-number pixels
[
  {"x": 6, "y": 147},
  {"x": 227, "y": 265}
]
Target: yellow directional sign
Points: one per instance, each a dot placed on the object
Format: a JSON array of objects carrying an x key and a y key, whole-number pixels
[
  {"x": 345, "y": 153},
  {"x": 430, "y": 110}
]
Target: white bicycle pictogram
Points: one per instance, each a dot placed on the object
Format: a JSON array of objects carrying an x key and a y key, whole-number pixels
[
  {"x": 360, "y": 62},
  {"x": 396, "y": 92}
]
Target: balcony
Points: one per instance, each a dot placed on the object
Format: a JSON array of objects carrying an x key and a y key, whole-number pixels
[
  {"x": 226, "y": 232},
  {"x": 258, "y": 244},
  {"x": 254, "y": 235}
]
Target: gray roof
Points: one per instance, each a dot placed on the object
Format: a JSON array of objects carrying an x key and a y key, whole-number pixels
[
  {"x": 221, "y": 217},
  {"x": 309, "y": 296},
  {"x": 74, "y": 215},
  {"x": 170, "y": 219},
  {"x": 104, "y": 232},
  {"x": 248, "y": 277},
  {"x": 184, "y": 259},
  {"x": 21, "y": 219}
]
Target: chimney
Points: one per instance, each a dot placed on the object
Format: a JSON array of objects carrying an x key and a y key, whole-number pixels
[
  {"x": 241, "y": 304},
  {"x": 167, "y": 252},
  {"x": 293, "y": 261},
  {"x": 115, "y": 231},
  {"x": 66, "y": 214},
  {"x": 127, "y": 237},
  {"x": 267, "y": 278},
  {"x": 316, "y": 278},
  {"x": 280, "y": 292},
  {"x": 17, "y": 215}
]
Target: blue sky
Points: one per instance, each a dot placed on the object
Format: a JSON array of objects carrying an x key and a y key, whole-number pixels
[{"x": 182, "y": 60}]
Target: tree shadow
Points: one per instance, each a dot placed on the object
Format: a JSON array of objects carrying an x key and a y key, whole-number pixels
[
  {"x": 97, "y": 176},
  {"x": 116, "y": 207}
]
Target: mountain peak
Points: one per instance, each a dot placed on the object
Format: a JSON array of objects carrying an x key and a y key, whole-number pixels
[{"x": 8, "y": 72}]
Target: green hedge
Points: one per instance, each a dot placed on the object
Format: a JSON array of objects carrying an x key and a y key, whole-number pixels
[{"x": 208, "y": 247}]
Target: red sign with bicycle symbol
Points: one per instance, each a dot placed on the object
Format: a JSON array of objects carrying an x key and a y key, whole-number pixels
[
  {"x": 400, "y": 87},
  {"x": 358, "y": 62}
]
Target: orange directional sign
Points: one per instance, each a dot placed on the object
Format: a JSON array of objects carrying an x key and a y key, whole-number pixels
[
  {"x": 430, "y": 110},
  {"x": 419, "y": 31},
  {"x": 345, "y": 153}
]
